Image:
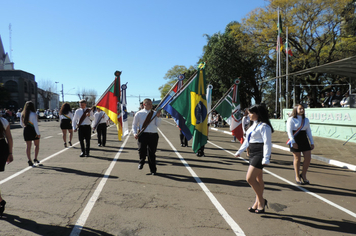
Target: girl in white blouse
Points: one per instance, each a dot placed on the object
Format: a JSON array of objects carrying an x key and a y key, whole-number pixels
[
  {"x": 298, "y": 129},
  {"x": 30, "y": 132},
  {"x": 259, "y": 141}
]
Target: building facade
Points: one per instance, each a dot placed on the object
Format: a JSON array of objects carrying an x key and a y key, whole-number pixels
[{"x": 21, "y": 85}]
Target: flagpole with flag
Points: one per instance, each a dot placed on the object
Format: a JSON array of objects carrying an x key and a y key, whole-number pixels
[
  {"x": 125, "y": 123},
  {"x": 229, "y": 108},
  {"x": 287, "y": 51},
  {"x": 190, "y": 102},
  {"x": 109, "y": 102}
]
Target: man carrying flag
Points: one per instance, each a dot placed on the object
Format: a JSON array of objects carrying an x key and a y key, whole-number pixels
[
  {"x": 144, "y": 127},
  {"x": 191, "y": 104}
]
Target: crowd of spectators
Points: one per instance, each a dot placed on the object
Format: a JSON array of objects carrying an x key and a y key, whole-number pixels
[{"x": 329, "y": 99}]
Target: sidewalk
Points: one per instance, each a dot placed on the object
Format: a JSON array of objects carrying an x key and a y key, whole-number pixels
[{"x": 327, "y": 150}]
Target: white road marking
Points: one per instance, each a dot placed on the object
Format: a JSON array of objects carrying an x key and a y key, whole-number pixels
[
  {"x": 85, "y": 214},
  {"x": 234, "y": 226},
  {"x": 301, "y": 188},
  {"x": 48, "y": 137}
]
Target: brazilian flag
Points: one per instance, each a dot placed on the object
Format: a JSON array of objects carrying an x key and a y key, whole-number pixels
[{"x": 191, "y": 104}]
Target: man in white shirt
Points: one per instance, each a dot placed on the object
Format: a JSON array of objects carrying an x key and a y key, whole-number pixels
[
  {"x": 82, "y": 121},
  {"x": 148, "y": 139},
  {"x": 100, "y": 124}
]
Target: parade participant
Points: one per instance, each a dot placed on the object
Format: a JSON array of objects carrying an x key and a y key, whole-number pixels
[
  {"x": 6, "y": 145},
  {"x": 183, "y": 139},
  {"x": 148, "y": 121},
  {"x": 298, "y": 130},
  {"x": 31, "y": 132},
  {"x": 100, "y": 123},
  {"x": 65, "y": 118},
  {"x": 345, "y": 102},
  {"x": 259, "y": 140},
  {"x": 82, "y": 121}
]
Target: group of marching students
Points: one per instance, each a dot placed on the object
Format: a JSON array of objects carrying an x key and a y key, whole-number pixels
[
  {"x": 31, "y": 134},
  {"x": 258, "y": 141}
]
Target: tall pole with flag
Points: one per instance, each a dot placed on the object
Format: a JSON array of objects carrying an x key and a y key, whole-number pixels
[
  {"x": 125, "y": 124},
  {"x": 109, "y": 102},
  {"x": 191, "y": 104},
  {"x": 229, "y": 108}
]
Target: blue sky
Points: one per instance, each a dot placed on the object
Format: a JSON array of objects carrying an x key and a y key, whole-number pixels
[{"x": 80, "y": 44}]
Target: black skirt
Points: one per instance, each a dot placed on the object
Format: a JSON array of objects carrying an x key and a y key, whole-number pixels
[
  {"x": 66, "y": 124},
  {"x": 303, "y": 142},
  {"x": 256, "y": 155},
  {"x": 29, "y": 133},
  {"x": 4, "y": 153}
]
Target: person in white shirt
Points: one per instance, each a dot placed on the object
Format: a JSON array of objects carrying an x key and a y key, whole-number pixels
[
  {"x": 298, "y": 130},
  {"x": 65, "y": 119},
  {"x": 259, "y": 141},
  {"x": 345, "y": 102},
  {"x": 100, "y": 123},
  {"x": 148, "y": 139},
  {"x": 31, "y": 132},
  {"x": 6, "y": 144},
  {"x": 82, "y": 121}
]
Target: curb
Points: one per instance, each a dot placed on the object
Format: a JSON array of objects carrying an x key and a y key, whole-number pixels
[{"x": 319, "y": 158}]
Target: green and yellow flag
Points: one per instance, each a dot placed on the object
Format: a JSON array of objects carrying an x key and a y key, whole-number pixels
[{"x": 191, "y": 104}]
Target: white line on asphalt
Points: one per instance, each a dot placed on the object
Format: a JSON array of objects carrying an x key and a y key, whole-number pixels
[
  {"x": 301, "y": 188},
  {"x": 234, "y": 226},
  {"x": 85, "y": 214},
  {"x": 48, "y": 137}
]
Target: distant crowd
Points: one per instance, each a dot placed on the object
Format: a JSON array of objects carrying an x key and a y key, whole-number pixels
[{"x": 330, "y": 99}]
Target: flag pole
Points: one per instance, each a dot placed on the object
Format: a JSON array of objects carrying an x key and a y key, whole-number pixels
[
  {"x": 221, "y": 99},
  {"x": 277, "y": 59},
  {"x": 287, "y": 48}
]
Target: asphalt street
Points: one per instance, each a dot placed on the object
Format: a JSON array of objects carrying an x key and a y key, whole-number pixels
[{"x": 106, "y": 194}]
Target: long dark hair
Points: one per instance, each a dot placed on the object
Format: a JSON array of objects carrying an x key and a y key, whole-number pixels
[
  {"x": 25, "y": 115},
  {"x": 294, "y": 113},
  {"x": 2, "y": 129},
  {"x": 65, "y": 109},
  {"x": 262, "y": 114}
]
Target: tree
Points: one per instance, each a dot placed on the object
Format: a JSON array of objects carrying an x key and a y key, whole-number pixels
[
  {"x": 89, "y": 95},
  {"x": 314, "y": 29},
  {"x": 47, "y": 88}
]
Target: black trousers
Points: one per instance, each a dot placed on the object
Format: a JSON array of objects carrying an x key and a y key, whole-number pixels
[
  {"x": 84, "y": 133},
  {"x": 147, "y": 146},
  {"x": 101, "y": 132},
  {"x": 183, "y": 139}
]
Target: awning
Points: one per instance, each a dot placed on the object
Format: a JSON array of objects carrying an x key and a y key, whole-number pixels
[{"x": 344, "y": 67}]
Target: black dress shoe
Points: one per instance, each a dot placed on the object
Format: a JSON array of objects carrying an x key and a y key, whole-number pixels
[
  {"x": 82, "y": 154},
  {"x": 99, "y": 145},
  {"x": 87, "y": 155},
  {"x": 140, "y": 166}
]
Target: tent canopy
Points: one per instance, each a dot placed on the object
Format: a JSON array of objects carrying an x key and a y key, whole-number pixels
[{"x": 345, "y": 67}]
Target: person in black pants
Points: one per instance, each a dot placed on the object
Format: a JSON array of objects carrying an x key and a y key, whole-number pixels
[
  {"x": 148, "y": 139},
  {"x": 82, "y": 121},
  {"x": 100, "y": 124}
]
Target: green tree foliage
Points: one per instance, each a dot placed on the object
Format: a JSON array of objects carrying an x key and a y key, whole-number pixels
[{"x": 314, "y": 29}]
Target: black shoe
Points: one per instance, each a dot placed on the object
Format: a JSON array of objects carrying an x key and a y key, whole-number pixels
[
  {"x": 103, "y": 145},
  {"x": 2, "y": 207},
  {"x": 153, "y": 173},
  {"x": 140, "y": 166},
  {"x": 251, "y": 209},
  {"x": 304, "y": 180},
  {"x": 299, "y": 182},
  {"x": 182, "y": 145},
  {"x": 87, "y": 155},
  {"x": 37, "y": 162},
  {"x": 259, "y": 211},
  {"x": 82, "y": 154},
  {"x": 30, "y": 163},
  {"x": 70, "y": 143},
  {"x": 99, "y": 145},
  {"x": 65, "y": 145}
]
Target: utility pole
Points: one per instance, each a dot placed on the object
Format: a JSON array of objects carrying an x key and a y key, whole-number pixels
[{"x": 10, "y": 30}]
